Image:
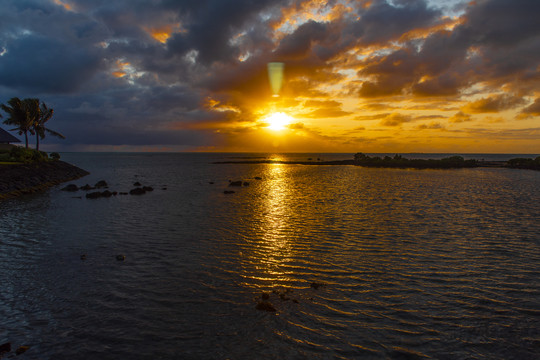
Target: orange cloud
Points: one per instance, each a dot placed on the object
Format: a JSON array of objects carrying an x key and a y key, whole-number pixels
[
  {"x": 492, "y": 104},
  {"x": 163, "y": 33}
]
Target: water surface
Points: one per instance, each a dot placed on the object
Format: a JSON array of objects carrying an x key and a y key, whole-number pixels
[{"x": 438, "y": 264}]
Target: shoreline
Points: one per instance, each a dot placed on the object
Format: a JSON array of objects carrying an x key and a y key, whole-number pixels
[
  {"x": 421, "y": 164},
  {"x": 21, "y": 179}
]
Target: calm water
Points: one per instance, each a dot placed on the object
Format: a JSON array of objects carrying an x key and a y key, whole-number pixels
[{"x": 441, "y": 264}]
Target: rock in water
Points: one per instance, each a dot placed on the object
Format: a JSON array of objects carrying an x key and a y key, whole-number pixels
[
  {"x": 265, "y": 306},
  {"x": 93, "y": 195},
  {"x": 21, "y": 349},
  {"x": 236, "y": 183},
  {"x": 5, "y": 348},
  {"x": 120, "y": 257},
  {"x": 148, "y": 188},
  {"x": 70, "y": 187},
  {"x": 136, "y": 183},
  {"x": 101, "y": 184},
  {"x": 137, "y": 191}
]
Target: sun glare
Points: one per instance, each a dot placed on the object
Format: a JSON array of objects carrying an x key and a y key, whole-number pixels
[{"x": 278, "y": 121}]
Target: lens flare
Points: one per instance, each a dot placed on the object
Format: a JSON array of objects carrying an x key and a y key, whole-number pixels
[{"x": 275, "y": 75}]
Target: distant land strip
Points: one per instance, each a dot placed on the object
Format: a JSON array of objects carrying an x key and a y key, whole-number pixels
[
  {"x": 20, "y": 179},
  {"x": 455, "y": 162}
]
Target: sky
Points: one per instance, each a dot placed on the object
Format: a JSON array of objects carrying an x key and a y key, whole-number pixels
[{"x": 386, "y": 76}]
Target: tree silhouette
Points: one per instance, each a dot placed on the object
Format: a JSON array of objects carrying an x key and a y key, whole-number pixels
[
  {"x": 20, "y": 115},
  {"x": 44, "y": 115}
]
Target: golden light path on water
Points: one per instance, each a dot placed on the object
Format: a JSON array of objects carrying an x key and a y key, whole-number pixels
[{"x": 275, "y": 247}]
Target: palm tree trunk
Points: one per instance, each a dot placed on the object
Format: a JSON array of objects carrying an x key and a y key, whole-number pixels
[
  {"x": 37, "y": 142},
  {"x": 26, "y": 138}
]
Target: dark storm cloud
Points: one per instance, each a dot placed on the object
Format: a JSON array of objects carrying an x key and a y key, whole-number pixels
[
  {"x": 475, "y": 51},
  {"x": 382, "y": 21},
  {"x": 38, "y": 64}
]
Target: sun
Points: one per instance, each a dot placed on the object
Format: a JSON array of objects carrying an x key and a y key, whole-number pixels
[{"x": 278, "y": 121}]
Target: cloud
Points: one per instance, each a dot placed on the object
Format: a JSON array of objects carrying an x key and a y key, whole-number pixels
[
  {"x": 460, "y": 117},
  {"x": 533, "y": 109},
  {"x": 492, "y": 104},
  {"x": 395, "y": 119},
  {"x": 140, "y": 68}
]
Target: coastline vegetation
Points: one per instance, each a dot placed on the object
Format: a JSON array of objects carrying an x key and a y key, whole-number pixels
[
  {"x": 29, "y": 116},
  {"x": 400, "y": 162},
  {"x": 21, "y": 155}
]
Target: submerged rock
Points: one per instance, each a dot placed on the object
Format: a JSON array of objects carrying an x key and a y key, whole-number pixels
[
  {"x": 5, "y": 348},
  {"x": 22, "y": 349},
  {"x": 106, "y": 193},
  {"x": 83, "y": 257},
  {"x": 136, "y": 183},
  {"x": 236, "y": 183},
  {"x": 316, "y": 285},
  {"x": 101, "y": 184},
  {"x": 228, "y": 192},
  {"x": 87, "y": 187},
  {"x": 137, "y": 191},
  {"x": 148, "y": 188},
  {"x": 70, "y": 187},
  {"x": 93, "y": 195},
  {"x": 265, "y": 306},
  {"x": 246, "y": 183},
  {"x": 258, "y": 178},
  {"x": 120, "y": 257}
]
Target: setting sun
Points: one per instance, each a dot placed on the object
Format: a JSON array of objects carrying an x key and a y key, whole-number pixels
[{"x": 278, "y": 121}]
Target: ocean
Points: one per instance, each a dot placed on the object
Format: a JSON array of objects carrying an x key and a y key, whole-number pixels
[{"x": 353, "y": 262}]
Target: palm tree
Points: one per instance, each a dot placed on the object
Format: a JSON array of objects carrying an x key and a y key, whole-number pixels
[
  {"x": 21, "y": 115},
  {"x": 45, "y": 114}
]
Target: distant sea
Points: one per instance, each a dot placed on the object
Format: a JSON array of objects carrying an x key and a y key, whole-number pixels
[{"x": 358, "y": 263}]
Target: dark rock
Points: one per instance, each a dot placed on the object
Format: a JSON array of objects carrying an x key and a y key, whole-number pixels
[
  {"x": 137, "y": 191},
  {"x": 115, "y": 193},
  {"x": 5, "y": 348},
  {"x": 70, "y": 187},
  {"x": 258, "y": 178},
  {"x": 265, "y": 306},
  {"x": 284, "y": 297},
  {"x": 164, "y": 188},
  {"x": 211, "y": 182},
  {"x": 236, "y": 183},
  {"x": 295, "y": 301},
  {"x": 228, "y": 192},
  {"x": 22, "y": 350},
  {"x": 246, "y": 183},
  {"x": 83, "y": 257},
  {"x": 101, "y": 184},
  {"x": 265, "y": 296},
  {"x": 106, "y": 194},
  {"x": 122, "y": 193},
  {"x": 76, "y": 197},
  {"x": 87, "y": 187},
  {"x": 148, "y": 188},
  {"x": 136, "y": 183},
  {"x": 93, "y": 195},
  {"x": 120, "y": 257},
  {"x": 316, "y": 285}
]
